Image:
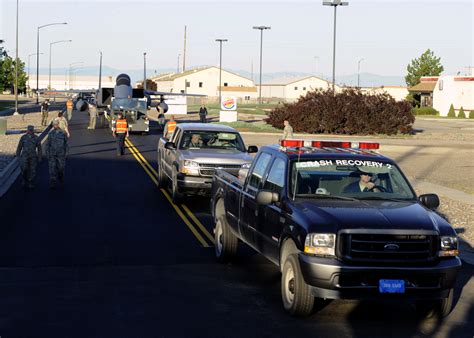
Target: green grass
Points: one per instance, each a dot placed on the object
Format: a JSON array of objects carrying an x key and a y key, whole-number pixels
[{"x": 252, "y": 126}]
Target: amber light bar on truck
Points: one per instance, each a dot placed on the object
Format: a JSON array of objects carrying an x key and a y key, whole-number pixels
[{"x": 328, "y": 144}]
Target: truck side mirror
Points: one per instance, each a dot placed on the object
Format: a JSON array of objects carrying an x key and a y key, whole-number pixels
[
  {"x": 252, "y": 149},
  {"x": 267, "y": 197},
  {"x": 170, "y": 145},
  {"x": 431, "y": 201}
]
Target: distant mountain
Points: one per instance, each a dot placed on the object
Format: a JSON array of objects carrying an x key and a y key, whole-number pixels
[{"x": 366, "y": 79}]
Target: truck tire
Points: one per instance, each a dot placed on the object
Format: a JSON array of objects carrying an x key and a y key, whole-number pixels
[
  {"x": 295, "y": 293},
  {"x": 436, "y": 307},
  {"x": 176, "y": 195},
  {"x": 162, "y": 179},
  {"x": 226, "y": 241}
]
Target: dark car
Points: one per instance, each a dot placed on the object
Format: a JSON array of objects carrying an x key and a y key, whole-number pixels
[{"x": 341, "y": 221}]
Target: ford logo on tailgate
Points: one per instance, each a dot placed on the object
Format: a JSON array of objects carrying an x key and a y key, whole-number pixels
[{"x": 391, "y": 247}]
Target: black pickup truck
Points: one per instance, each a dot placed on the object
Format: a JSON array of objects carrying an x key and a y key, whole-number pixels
[{"x": 342, "y": 222}]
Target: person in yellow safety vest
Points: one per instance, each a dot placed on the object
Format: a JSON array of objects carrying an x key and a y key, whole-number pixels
[
  {"x": 169, "y": 127},
  {"x": 120, "y": 130},
  {"x": 69, "y": 108}
]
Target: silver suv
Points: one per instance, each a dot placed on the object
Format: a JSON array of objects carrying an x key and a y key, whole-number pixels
[{"x": 194, "y": 151}]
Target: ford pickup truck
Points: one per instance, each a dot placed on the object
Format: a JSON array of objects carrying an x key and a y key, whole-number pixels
[
  {"x": 342, "y": 222},
  {"x": 188, "y": 159}
]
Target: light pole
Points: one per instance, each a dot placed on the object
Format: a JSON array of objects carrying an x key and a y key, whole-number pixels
[
  {"x": 144, "y": 71},
  {"x": 334, "y": 3},
  {"x": 51, "y": 45},
  {"x": 220, "y": 67},
  {"x": 16, "y": 63},
  {"x": 100, "y": 75},
  {"x": 37, "y": 54},
  {"x": 177, "y": 68},
  {"x": 261, "y": 28},
  {"x": 358, "y": 72}
]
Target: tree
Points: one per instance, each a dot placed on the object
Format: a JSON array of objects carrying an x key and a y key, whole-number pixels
[
  {"x": 7, "y": 75},
  {"x": 451, "y": 112},
  {"x": 471, "y": 114},
  {"x": 461, "y": 114},
  {"x": 426, "y": 65}
]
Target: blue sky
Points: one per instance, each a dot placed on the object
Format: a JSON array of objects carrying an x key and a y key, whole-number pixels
[{"x": 387, "y": 34}]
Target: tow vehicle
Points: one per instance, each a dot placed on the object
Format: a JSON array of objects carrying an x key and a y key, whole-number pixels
[{"x": 342, "y": 222}]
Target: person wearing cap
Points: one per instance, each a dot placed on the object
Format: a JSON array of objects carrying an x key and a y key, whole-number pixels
[
  {"x": 170, "y": 126},
  {"x": 29, "y": 154},
  {"x": 120, "y": 131},
  {"x": 287, "y": 130},
  {"x": 57, "y": 148},
  {"x": 63, "y": 123},
  {"x": 364, "y": 184},
  {"x": 44, "y": 112}
]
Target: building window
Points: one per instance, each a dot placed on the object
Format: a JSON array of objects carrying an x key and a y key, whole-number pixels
[
  {"x": 225, "y": 84},
  {"x": 188, "y": 84},
  {"x": 200, "y": 84},
  {"x": 247, "y": 98},
  {"x": 304, "y": 88},
  {"x": 296, "y": 88},
  {"x": 440, "y": 85},
  {"x": 182, "y": 91}
]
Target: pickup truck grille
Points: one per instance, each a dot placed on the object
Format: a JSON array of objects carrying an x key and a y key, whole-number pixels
[
  {"x": 395, "y": 249},
  {"x": 207, "y": 169}
]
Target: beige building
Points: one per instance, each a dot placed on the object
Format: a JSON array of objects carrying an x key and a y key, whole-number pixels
[
  {"x": 205, "y": 81},
  {"x": 399, "y": 93},
  {"x": 290, "y": 89},
  {"x": 71, "y": 82}
]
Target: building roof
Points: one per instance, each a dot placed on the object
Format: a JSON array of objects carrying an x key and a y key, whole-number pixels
[
  {"x": 238, "y": 89},
  {"x": 423, "y": 87},
  {"x": 284, "y": 81},
  {"x": 174, "y": 76}
]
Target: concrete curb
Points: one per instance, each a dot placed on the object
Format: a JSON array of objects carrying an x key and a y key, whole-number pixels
[{"x": 9, "y": 175}]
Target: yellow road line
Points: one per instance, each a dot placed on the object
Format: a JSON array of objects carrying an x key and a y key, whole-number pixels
[
  {"x": 198, "y": 223},
  {"x": 151, "y": 173},
  {"x": 141, "y": 156}
]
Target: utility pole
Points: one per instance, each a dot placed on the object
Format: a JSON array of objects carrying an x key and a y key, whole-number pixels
[
  {"x": 100, "y": 73},
  {"x": 334, "y": 3},
  {"x": 220, "y": 67},
  {"x": 144, "y": 71},
  {"x": 358, "y": 72},
  {"x": 251, "y": 70},
  {"x": 177, "y": 68},
  {"x": 16, "y": 63},
  {"x": 261, "y": 28},
  {"x": 184, "y": 52}
]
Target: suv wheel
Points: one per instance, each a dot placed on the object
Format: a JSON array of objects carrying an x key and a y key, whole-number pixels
[
  {"x": 437, "y": 307},
  {"x": 295, "y": 293},
  {"x": 176, "y": 195},
  {"x": 226, "y": 241}
]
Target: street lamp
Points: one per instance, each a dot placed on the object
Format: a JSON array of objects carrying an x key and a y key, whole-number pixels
[
  {"x": 177, "y": 68},
  {"x": 50, "y": 45},
  {"x": 144, "y": 71},
  {"x": 220, "y": 67},
  {"x": 358, "y": 72},
  {"x": 37, "y": 54},
  {"x": 334, "y": 3},
  {"x": 16, "y": 64},
  {"x": 29, "y": 58},
  {"x": 261, "y": 28}
]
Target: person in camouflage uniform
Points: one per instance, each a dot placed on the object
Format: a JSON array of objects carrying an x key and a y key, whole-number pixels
[
  {"x": 44, "y": 112},
  {"x": 56, "y": 149},
  {"x": 29, "y": 154}
]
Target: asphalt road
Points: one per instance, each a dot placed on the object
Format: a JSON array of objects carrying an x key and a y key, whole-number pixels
[{"x": 108, "y": 255}]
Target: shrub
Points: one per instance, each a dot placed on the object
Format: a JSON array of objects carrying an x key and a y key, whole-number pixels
[
  {"x": 349, "y": 112},
  {"x": 461, "y": 114},
  {"x": 425, "y": 111},
  {"x": 471, "y": 114},
  {"x": 451, "y": 112}
]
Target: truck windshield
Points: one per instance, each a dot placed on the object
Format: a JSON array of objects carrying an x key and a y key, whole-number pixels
[
  {"x": 361, "y": 179},
  {"x": 211, "y": 140},
  {"x": 129, "y": 104}
]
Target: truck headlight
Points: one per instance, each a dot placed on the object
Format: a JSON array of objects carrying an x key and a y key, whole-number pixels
[
  {"x": 320, "y": 244},
  {"x": 246, "y": 166},
  {"x": 190, "y": 168},
  {"x": 449, "y": 246}
]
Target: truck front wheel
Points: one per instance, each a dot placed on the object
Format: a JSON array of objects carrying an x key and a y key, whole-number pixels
[
  {"x": 226, "y": 241},
  {"x": 161, "y": 175},
  {"x": 295, "y": 293},
  {"x": 437, "y": 307},
  {"x": 176, "y": 195}
]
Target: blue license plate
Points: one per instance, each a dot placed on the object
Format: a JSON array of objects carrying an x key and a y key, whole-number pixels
[{"x": 391, "y": 286}]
